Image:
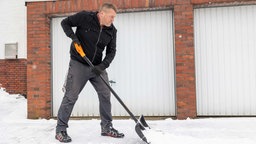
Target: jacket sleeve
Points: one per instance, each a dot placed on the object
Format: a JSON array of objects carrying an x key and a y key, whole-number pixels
[
  {"x": 110, "y": 51},
  {"x": 72, "y": 21}
]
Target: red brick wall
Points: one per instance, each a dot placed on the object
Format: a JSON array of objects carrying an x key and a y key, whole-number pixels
[
  {"x": 184, "y": 51},
  {"x": 39, "y": 50},
  {"x": 223, "y": 2},
  {"x": 13, "y": 75},
  {"x": 39, "y": 61}
]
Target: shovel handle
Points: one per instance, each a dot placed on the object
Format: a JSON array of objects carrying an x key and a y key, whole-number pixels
[
  {"x": 79, "y": 49},
  {"x": 141, "y": 123}
]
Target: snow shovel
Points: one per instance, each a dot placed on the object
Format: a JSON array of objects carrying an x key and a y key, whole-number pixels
[{"x": 140, "y": 123}]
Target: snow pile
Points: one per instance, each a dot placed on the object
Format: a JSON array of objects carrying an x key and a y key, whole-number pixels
[
  {"x": 12, "y": 107},
  {"x": 16, "y": 129}
]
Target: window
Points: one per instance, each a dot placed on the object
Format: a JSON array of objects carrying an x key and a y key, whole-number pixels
[{"x": 11, "y": 51}]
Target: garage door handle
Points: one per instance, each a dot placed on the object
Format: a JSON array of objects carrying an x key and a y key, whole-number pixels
[{"x": 112, "y": 82}]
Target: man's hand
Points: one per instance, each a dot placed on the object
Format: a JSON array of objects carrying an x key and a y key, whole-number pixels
[
  {"x": 75, "y": 39},
  {"x": 98, "y": 69}
]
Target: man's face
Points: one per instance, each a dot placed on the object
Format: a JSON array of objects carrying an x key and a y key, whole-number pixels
[{"x": 108, "y": 16}]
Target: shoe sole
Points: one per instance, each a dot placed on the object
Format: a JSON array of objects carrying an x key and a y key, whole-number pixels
[
  {"x": 63, "y": 141},
  {"x": 104, "y": 134}
]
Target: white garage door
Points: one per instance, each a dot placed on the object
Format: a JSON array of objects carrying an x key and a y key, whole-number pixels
[
  {"x": 142, "y": 69},
  {"x": 225, "y": 48}
]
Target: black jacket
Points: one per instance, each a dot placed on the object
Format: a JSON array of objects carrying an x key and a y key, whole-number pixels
[{"x": 92, "y": 37}]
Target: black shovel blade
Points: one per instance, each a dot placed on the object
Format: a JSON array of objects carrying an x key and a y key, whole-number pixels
[
  {"x": 140, "y": 126},
  {"x": 139, "y": 132},
  {"x": 143, "y": 122}
]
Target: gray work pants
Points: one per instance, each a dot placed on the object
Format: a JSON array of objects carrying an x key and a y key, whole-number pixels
[{"x": 77, "y": 77}]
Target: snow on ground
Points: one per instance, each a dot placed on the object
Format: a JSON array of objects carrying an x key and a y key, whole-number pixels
[{"x": 16, "y": 129}]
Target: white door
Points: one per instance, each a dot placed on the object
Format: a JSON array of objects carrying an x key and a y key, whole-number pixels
[
  {"x": 225, "y": 49},
  {"x": 142, "y": 72}
]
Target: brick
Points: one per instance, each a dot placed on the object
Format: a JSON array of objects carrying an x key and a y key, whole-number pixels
[
  {"x": 162, "y": 3},
  {"x": 135, "y": 3},
  {"x": 13, "y": 76},
  {"x": 202, "y": 2},
  {"x": 185, "y": 81},
  {"x": 120, "y": 4}
]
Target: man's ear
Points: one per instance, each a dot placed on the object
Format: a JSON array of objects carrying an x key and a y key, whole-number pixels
[{"x": 101, "y": 13}]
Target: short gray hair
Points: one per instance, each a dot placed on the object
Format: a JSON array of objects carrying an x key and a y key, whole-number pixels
[{"x": 108, "y": 6}]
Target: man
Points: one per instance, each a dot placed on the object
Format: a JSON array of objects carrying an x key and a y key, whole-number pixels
[{"x": 95, "y": 31}]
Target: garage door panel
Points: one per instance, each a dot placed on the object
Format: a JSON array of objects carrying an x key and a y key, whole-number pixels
[
  {"x": 142, "y": 70},
  {"x": 225, "y": 60},
  {"x": 143, "y": 56}
]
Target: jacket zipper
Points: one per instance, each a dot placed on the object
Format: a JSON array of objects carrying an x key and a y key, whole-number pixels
[{"x": 96, "y": 47}]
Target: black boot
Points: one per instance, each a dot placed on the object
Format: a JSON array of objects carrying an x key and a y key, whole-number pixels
[
  {"x": 63, "y": 137},
  {"x": 110, "y": 131}
]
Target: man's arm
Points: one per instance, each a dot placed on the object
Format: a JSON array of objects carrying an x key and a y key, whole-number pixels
[
  {"x": 110, "y": 51},
  {"x": 71, "y": 21}
]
